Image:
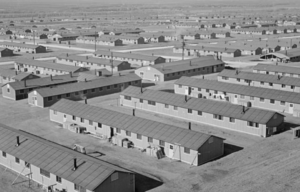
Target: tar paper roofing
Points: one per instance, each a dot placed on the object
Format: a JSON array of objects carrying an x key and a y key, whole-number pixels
[
  {"x": 127, "y": 55},
  {"x": 14, "y": 74},
  {"x": 260, "y": 92},
  {"x": 210, "y": 48},
  {"x": 160, "y": 131},
  {"x": 48, "y": 65},
  {"x": 89, "y": 59},
  {"x": 80, "y": 86},
  {"x": 56, "y": 159},
  {"x": 44, "y": 81},
  {"x": 291, "y": 52},
  {"x": 260, "y": 77},
  {"x": 20, "y": 45},
  {"x": 188, "y": 64},
  {"x": 205, "y": 105},
  {"x": 277, "y": 68}
]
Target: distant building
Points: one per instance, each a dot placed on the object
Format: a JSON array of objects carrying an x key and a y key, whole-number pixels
[
  {"x": 291, "y": 55},
  {"x": 4, "y": 52},
  {"x": 22, "y": 47},
  {"x": 282, "y": 70},
  {"x": 174, "y": 70},
  {"x": 8, "y": 75}
]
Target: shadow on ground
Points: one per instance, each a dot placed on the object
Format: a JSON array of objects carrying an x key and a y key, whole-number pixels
[{"x": 144, "y": 183}]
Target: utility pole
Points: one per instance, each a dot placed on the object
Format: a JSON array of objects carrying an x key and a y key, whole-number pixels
[
  {"x": 183, "y": 45},
  {"x": 33, "y": 37},
  {"x": 95, "y": 41},
  {"x": 112, "y": 63}
]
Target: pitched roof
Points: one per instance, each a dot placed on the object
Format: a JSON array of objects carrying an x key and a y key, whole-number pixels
[
  {"x": 127, "y": 55},
  {"x": 44, "y": 81},
  {"x": 277, "y": 68},
  {"x": 160, "y": 131},
  {"x": 291, "y": 52},
  {"x": 49, "y": 65},
  {"x": 260, "y": 77},
  {"x": 210, "y": 48},
  {"x": 205, "y": 105},
  {"x": 188, "y": 64},
  {"x": 20, "y": 45},
  {"x": 89, "y": 59},
  {"x": 14, "y": 74},
  {"x": 80, "y": 86},
  {"x": 56, "y": 159},
  {"x": 266, "y": 93}
]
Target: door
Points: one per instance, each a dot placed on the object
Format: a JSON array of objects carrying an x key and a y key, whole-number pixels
[
  {"x": 235, "y": 100},
  {"x": 171, "y": 151},
  {"x": 156, "y": 77},
  {"x": 291, "y": 108},
  {"x": 65, "y": 118},
  {"x": 34, "y": 101},
  {"x": 215, "y": 69},
  {"x": 111, "y": 132}
]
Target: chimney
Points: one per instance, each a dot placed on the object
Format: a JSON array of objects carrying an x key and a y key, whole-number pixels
[
  {"x": 16, "y": 72},
  {"x": 85, "y": 80},
  {"x": 133, "y": 112},
  {"x": 25, "y": 83},
  {"x": 53, "y": 61},
  {"x": 18, "y": 141},
  {"x": 75, "y": 164},
  {"x": 278, "y": 77},
  {"x": 186, "y": 98},
  {"x": 190, "y": 126},
  {"x": 190, "y": 63},
  {"x": 85, "y": 101},
  {"x": 51, "y": 77},
  {"x": 236, "y": 72},
  {"x": 70, "y": 74},
  {"x": 87, "y": 57},
  {"x": 67, "y": 55},
  {"x": 119, "y": 74},
  {"x": 244, "y": 110},
  {"x": 141, "y": 88}
]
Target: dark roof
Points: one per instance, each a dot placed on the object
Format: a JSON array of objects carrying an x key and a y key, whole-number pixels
[
  {"x": 160, "y": 131},
  {"x": 127, "y": 55},
  {"x": 44, "y": 81},
  {"x": 266, "y": 93},
  {"x": 14, "y": 74},
  {"x": 199, "y": 104},
  {"x": 260, "y": 77},
  {"x": 56, "y": 159},
  {"x": 291, "y": 52},
  {"x": 210, "y": 48},
  {"x": 49, "y": 65},
  {"x": 277, "y": 68},
  {"x": 80, "y": 86},
  {"x": 20, "y": 45},
  {"x": 5, "y": 49},
  {"x": 89, "y": 59},
  {"x": 188, "y": 64}
]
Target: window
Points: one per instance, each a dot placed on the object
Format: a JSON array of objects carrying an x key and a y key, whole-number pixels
[
  {"x": 17, "y": 160},
  {"x": 190, "y": 111},
  {"x": 166, "y": 106},
  {"x": 180, "y": 86},
  {"x": 77, "y": 93},
  {"x": 175, "y": 108},
  {"x": 85, "y": 92},
  {"x": 58, "y": 179},
  {"x": 283, "y": 85},
  {"x": 68, "y": 95},
  {"x": 231, "y": 119},
  {"x": 22, "y": 91},
  {"x": 27, "y": 165},
  {"x": 256, "y": 125},
  {"x": 107, "y": 87},
  {"x": 261, "y": 99},
  {"x": 238, "y": 79},
  {"x": 200, "y": 113},
  {"x": 118, "y": 130},
  {"x": 219, "y": 117},
  {"x": 292, "y": 86},
  {"x": 262, "y": 83},
  {"x": 242, "y": 96},
  {"x": 271, "y": 84},
  {"x": 272, "y": 101},
  {"x": 101, "y": 89},
  {"x": 186, "y": 150},
  {"x": 90, "y": 122},
  {"x": 116, "y": 86},
  {"x": 82, "y": 120},
  {"x": 211, "y": 140},
  {"x": 282, "y": 102},
  {"x": 225, "y": 78},
  {"x": 3, "y": 154},
  {"x": 216, "y": 92},
  {"x": 150, "y": 139},
  {"x": 128, "y": 133},
  {"x": 249, "y": 123},
  {"x": 76, "y": 187},
  {"x": 92, "y": 90},
  {"x": 161, "y": 143},
  {"x": 44, "y": 173},
  {"x": 114, "y": 176},
  {"x": 199, "y": 89},
  {"x": 73, "y": 117},
  {"x": 127, "y": 97},
  {"x": 139, "y": 136},
  {"x": 8, "y": 90},
  {"x": 251, "y": 98},
  {"x": 49, "y": 98},
  {"x": 58, "y": 96},
  {"x": 207, "y": 90},
  {"x": 151, "y": 102}
]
